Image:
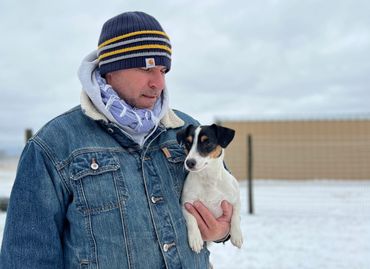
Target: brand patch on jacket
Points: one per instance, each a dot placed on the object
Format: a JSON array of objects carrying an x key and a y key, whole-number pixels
[{"x": 166, "y": 152}]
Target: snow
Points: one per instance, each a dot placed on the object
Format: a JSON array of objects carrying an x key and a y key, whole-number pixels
[
  {"x": 303, "y": 224},
  {"x": 297, "y": 224},
  {"x": 8, "y": 168}
]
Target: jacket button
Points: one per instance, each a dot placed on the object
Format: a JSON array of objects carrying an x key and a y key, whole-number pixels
[
  {"x": 94, "y": 165},
  {"x": 166, "y": 247},
  {"x": 155, "y": 199},
  {"x": 110, "y": 130}
]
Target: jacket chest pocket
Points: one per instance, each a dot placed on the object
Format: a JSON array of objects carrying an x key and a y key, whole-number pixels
[
  {"x": 97, "y": 182},
  {"x": 175, "y": 156}
]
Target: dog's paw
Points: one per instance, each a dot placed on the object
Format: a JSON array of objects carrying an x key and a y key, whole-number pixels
[
  {"x": 236, "y": 237},
  {"x": 195, "y": 241},
  {"x": 237, "y": 241}
]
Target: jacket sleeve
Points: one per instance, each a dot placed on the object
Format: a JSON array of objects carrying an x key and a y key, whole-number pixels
[{"x": 35, "y": 216}]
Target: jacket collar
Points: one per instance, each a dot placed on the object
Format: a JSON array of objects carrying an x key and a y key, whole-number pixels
[{"x": 169, "y": 120}]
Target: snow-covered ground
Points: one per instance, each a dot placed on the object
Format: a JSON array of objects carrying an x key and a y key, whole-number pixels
[
  {"x": 7, "y": 175},
  {"x": 8, "y": 168},
  {"x": 303, "y": 224},
  {"x": 297, "y": 225}
]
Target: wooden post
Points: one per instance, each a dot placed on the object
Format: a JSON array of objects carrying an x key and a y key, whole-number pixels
[
  {"x": 250, "y": 174},
  {"x": 4, "y": 202},
  {"x": 28, "y": 134}
]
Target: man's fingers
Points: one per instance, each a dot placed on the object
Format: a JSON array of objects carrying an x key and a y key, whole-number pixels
[
  {"x": 207, "y": 215},
  {"x": 192, "y": 210},
  {"x": 210, "y": 227},
  {"x": 227, "y": 209}
]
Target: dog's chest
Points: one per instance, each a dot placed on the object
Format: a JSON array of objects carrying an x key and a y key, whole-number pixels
[
  {"x": 213, "y": 202},
  {"x": 212, "y": 197}
]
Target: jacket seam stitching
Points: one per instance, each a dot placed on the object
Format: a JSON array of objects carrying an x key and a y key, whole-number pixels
[
  {"x": 47, "y": 151},
  {"x": 86, "y": 150}
]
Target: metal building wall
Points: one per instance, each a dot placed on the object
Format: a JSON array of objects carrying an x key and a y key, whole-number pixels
[{"x": 301, "y": 149}]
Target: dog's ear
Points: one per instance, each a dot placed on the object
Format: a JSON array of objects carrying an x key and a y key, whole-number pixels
[
  {"x": 224, "y": 135},
  {"x": 182, "y": 134}
]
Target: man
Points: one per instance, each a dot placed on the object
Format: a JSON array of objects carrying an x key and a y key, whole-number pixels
[{"x": 99, "y": 186}]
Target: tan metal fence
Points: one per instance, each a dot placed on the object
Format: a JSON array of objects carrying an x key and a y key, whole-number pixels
[{"x": 301, "y": 149}]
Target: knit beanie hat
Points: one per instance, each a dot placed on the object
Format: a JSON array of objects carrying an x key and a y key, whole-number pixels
[{"x": 133, "y": 40}]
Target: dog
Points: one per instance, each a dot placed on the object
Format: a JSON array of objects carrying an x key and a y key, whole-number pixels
[{"x": 208, "y": 181}]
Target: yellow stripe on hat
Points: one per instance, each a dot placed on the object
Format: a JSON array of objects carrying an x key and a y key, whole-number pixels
[
  {"x": 109, "y": 41},
  {"x": 143, "y": 47}
]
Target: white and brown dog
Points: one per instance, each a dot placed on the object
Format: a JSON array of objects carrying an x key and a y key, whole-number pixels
[{"x": 208, "y": 181}]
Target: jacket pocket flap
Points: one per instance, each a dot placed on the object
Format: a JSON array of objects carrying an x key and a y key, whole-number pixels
[{"x": 92, "y": 163}]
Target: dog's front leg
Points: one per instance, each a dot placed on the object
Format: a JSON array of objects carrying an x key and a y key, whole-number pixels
[
  {"x": 235, "y": 231},
  {"x": 194, "y": 235}
]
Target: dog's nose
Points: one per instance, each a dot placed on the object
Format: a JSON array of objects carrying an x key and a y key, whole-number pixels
[{"x": 191, "y": 163}]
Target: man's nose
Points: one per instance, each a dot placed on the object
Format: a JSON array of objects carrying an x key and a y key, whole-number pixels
[{"x": 157, "y": 80}]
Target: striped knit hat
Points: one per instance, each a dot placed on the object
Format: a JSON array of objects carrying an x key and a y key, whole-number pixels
[{"x": 132, "y": 40}]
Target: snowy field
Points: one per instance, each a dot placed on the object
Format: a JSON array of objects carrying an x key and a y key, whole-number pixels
[
  {"x": 297, "y": 225},
  {"x": 303, "y": 224},
  {"x": 7, "y": 175}
]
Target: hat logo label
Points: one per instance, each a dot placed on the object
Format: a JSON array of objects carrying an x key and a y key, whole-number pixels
[{"x": 150, "y": 62}]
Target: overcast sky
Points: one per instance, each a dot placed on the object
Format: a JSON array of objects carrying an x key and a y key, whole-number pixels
[{"x": 238, "y": 59}]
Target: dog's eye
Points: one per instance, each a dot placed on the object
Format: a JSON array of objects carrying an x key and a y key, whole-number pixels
[
  {"x": 208, "y": 146},
  {"x": 205, "y": 142}
]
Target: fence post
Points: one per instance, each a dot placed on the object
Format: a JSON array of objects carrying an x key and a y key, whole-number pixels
[
  {"x": 28, "y": 134},
  {"x": 4, "y": 202},
  {"x": 250, "y": 174}
]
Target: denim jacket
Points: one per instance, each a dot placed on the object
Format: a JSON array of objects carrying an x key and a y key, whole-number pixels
[{"x": 86, "y": 196}]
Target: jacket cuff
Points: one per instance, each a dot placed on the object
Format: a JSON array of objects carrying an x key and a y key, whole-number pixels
[{"x": 223, "y": 240}]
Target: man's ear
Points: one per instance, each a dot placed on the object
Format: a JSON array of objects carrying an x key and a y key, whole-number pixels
[
  {"x": 224, "y": 135},
  {"x": 108, "y": 77},
  {"x": 182, "y": 134}
]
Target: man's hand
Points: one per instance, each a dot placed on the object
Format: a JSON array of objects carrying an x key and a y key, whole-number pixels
[{"x": 212, "y": 229}]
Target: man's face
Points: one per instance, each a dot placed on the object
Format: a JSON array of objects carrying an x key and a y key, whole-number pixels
[{"x": 139, "y": 87}]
